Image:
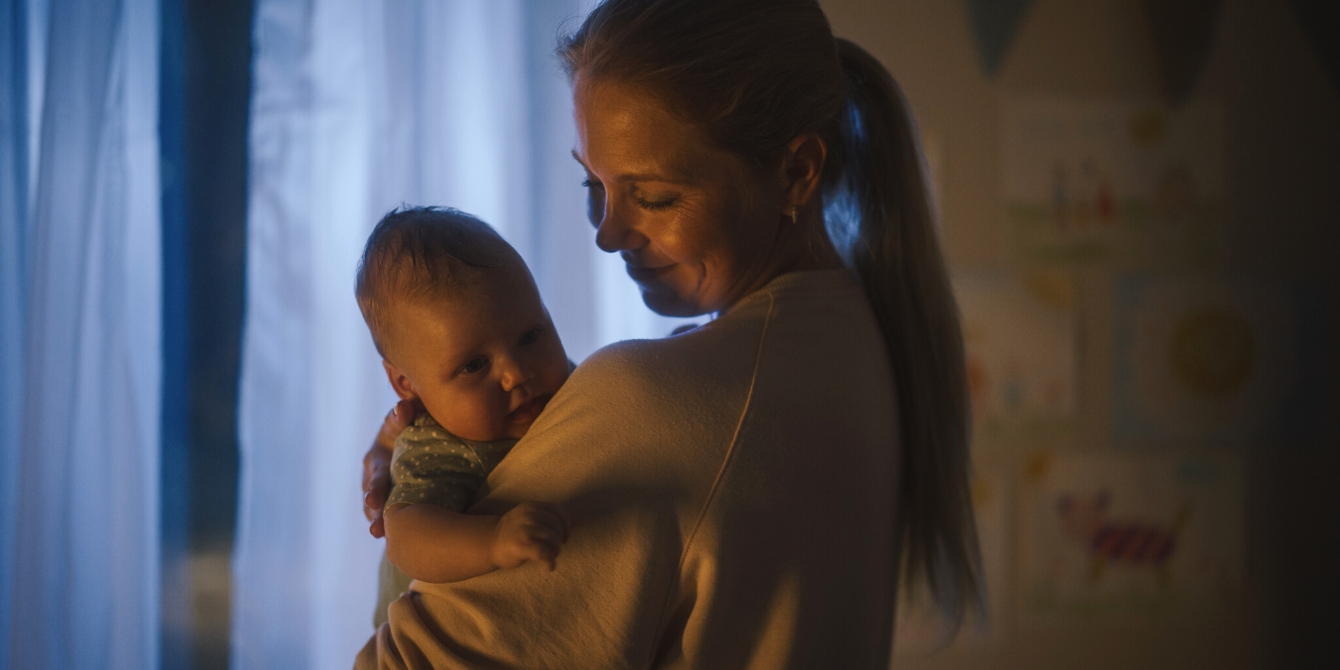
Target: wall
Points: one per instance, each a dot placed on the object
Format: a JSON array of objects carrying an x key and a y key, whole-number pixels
[{"x": 1281, "y": 163}]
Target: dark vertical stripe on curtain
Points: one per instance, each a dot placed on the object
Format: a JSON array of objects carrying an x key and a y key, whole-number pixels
[
  {"x": 204, "y": 92},
  {"x": 13, "y": 217},
  {"x": 174, "y": 462}
]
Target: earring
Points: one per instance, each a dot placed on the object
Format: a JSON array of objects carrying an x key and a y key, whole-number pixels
[{"x": 793, "y": 216}]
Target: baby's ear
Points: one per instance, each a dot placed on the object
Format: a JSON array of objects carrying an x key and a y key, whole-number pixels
[{"x": 399, "y": 381}]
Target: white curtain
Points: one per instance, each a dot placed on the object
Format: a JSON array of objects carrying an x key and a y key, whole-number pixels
[
  {"x": 79, "y": 344},
  {"x": 358, "y": 107}
]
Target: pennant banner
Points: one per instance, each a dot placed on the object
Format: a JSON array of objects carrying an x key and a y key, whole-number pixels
[
  {"x": 1183, "y": 32},
  {"x": 1321, "y": 22},
  {"x": 994, "y": 24}
]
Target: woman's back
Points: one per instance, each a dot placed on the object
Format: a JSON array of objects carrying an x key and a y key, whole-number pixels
[
  {"x": 792, "y": 563},
  {"x": 731, "y": 489}
]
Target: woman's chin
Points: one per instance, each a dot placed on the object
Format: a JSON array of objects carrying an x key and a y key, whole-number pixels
[{"x": 667, "y": 301}]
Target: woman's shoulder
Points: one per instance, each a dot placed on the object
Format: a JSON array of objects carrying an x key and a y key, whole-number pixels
[
  {"x": 797, "y": 316},
  {"x": 706, "y": 350},
  {"x": 810, "y": 298},
  {"x": 645, "y": 404}
]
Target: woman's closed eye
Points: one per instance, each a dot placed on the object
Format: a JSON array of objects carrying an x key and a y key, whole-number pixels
[
  {"x": 654, "y": 200},
  {"x": 652, "y": 204},
  {"x": 475, "y": 364},
  {"x": 655, "y": 205},
  {"x": 530, "y": 336}
]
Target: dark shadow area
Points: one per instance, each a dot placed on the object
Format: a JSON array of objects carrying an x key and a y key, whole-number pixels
[{"x": 205, "y": 86}]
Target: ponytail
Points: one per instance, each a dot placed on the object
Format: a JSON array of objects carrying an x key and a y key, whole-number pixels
[{"x": 879, "y": 213}]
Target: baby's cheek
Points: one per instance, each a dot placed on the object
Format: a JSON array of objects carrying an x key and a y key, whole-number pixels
[
  {"x": 556, "y": 369},
  {"x": 477, "y": 418}
]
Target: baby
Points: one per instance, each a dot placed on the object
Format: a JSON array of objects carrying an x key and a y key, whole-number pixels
[{"x": 461, "y": 329}]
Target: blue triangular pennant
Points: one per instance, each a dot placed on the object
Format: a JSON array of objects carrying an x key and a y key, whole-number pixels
[
  {"x": 994, "y": 23},
  {"x": 1321, "y": 22},
  {"x": 1183, "y": 33}
]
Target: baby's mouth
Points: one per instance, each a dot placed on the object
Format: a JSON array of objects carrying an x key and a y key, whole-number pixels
[{"x": 528, "y": 410}]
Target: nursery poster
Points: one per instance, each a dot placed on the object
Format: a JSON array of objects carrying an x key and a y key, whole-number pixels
[
  {"x": 1214, "y": 362},
  {"x": 920, "y": 628},
  {"x": 1129, "y": 537},
  {"x": 1131, "y": 183},
  {"x": 1019, "y": 332}
]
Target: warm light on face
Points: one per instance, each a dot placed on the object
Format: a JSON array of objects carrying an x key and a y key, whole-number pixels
[
  {"x": 693, "y": 223},
  {"x": 484, "y": 361}
]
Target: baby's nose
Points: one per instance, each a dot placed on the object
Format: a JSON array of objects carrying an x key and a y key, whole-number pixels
[{"x": 516, "y": 375}]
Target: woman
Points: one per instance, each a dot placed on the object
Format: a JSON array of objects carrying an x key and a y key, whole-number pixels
[{"x": 743, "y": 493}]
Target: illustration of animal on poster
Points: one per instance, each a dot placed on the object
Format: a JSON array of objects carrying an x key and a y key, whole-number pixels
[
  {"x": 1122, "y": 537},
  {"x": 1127, "y": 182}
]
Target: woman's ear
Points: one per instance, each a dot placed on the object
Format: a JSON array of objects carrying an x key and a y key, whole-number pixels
[
  {"x": 803, "y": 166},
  {"x": 403, "y": 387}
]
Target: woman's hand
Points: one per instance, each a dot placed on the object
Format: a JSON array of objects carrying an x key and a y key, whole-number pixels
[{"x": 377, "y": 464}]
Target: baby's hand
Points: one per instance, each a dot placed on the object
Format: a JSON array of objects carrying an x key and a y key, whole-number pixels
[{"x": 531, "y": 531}]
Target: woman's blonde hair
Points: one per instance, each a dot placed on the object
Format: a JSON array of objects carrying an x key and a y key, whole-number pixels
[{"x": 753, "y": 74}]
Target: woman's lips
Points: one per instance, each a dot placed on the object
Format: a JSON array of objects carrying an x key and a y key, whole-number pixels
[{"x": 527, "y": 412}]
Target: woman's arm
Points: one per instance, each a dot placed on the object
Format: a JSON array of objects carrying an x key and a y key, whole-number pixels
[
  {"x": 434, "y": 544},
  {"x": 610, "y": 447}
]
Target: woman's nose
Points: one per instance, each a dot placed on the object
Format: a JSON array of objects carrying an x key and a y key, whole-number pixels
[{"x": 613, "y": 230}]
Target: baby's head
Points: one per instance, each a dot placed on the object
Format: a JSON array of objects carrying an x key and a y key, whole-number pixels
[{"x": 459, "y": 323}]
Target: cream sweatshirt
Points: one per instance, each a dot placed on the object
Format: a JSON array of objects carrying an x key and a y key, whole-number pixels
[{"x": 732, "y": 490}]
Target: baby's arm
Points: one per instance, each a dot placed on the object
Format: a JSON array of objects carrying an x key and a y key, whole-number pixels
[{"x": 434, "y": 544}]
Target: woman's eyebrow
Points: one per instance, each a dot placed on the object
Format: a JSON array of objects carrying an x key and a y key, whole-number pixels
[
  {"x": 641, "y": 176},
  {"x": 579, "y": 160}
]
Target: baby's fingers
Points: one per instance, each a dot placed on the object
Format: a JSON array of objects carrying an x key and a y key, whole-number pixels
[
  {"x": 542, "y": 532},
  {"x": 554, "y": 518},
  {"x": 566, "y": 520},
  {"x": 541, "y": 552}
]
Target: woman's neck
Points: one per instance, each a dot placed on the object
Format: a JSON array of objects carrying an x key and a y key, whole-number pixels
[{"x": 800, "y": 247}]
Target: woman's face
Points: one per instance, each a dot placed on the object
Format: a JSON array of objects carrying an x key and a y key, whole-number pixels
[{"x": 695, "y": 224}]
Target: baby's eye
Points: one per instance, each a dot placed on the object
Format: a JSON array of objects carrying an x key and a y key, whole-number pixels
[
  {"x": 530, "y": 336},
  {"x": 475, "y": 365}
]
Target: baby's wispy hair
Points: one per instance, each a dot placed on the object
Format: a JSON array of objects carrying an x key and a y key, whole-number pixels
[{"x": 422, "y": 252}]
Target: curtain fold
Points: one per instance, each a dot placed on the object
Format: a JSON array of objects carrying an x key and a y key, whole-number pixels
[
  {"x": 357, "y": 108},
  {"x": 13, "y": 222},
  {"x": 79, "y": 346}
]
